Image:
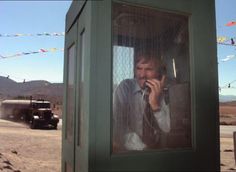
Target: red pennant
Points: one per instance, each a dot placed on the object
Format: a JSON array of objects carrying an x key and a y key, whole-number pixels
[
  {"x": 232, "y": 23},
  {"x": 42, "y": 50}
]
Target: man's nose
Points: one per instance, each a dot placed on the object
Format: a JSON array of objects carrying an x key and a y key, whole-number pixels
[{"x": 143, "y": 74}]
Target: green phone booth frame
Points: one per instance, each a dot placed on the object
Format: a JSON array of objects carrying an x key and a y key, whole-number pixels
[{"x": 87, "y": 113}]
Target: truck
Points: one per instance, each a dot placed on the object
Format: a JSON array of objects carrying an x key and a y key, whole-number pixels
[{"x": 37, "y": 113}]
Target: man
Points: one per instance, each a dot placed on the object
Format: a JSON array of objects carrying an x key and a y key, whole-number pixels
[{"x": 140, "y": 113}]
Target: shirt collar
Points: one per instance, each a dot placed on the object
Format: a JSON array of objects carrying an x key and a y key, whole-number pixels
[{"x": 137, "y": 88}]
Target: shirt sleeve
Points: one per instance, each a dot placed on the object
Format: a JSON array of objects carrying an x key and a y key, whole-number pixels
[
  {"x": 120, "y": 115},
  {"x": 163, "y": 117}
]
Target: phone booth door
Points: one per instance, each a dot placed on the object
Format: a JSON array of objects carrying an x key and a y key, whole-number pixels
[
  {"x": 75, "y": 127},
  {"x": 161, "y": 50}
]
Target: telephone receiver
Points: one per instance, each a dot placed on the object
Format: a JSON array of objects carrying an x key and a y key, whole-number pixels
[
  {"x": 161, "y": 71},
  {"x": 147, "y": 90}
]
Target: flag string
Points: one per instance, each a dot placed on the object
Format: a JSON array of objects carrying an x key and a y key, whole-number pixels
[
  {"x": 228, "y": 85},
  {"x": 38, "y": 34},
  {"x": 42, "y": 50}
]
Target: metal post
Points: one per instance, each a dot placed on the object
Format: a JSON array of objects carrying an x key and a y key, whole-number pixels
[{"x": 234, "y": 137}]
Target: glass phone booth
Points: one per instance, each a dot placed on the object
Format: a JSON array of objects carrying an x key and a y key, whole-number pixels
[{"x": 139, "y": 94}]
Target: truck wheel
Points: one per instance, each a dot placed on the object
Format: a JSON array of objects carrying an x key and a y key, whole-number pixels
[
  {"x": 55, "y": 127},
  {"x": 32, "y": 124}
]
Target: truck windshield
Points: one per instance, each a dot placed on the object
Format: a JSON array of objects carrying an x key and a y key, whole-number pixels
[{"x": 42, "y": 105}]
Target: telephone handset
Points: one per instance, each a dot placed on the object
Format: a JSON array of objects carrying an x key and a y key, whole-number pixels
[
  {"x": 147, "y": 90},
  {"x": 162, "y": 71}
]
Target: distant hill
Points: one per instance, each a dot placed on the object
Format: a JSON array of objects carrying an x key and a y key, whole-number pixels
[
  {"x": 52, "y": 91},
  {"x": 227, "y": 98},
  {"x": 38, "y": 89},
  {"x": 230, "y": 103}
]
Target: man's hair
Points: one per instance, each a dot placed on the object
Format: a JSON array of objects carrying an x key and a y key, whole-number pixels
[
  {"x": 146, "y": 52},
  {"x": 146, "y": 56}
]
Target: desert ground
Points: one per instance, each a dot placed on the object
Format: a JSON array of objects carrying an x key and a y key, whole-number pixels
[
  {"x": 25, "y": 150},
  {"x": 227, "y": 148},
  {"x": 228, "y": 126}
]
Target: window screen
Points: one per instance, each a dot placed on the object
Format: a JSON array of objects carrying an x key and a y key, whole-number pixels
[{"x": 151, "y": 79}]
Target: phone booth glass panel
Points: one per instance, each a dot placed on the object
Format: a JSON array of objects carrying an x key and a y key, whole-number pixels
[{"x": 150, "y": 43}]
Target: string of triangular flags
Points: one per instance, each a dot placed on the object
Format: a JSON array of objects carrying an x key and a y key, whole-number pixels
[
  {"x": 227, "y": 58},
  {"x": 37, "y": 34},
  {"x": 230, "y": 41},
  {"x": 226, "y": 40},
  {"x": 223, "y": 40},
  {"x": 42, "y": 50},
  {"x": 228, "y": 85}
]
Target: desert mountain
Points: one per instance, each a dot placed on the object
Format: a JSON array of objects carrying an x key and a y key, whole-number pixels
[
  {"x": 38, "y": 89},
  {"x": 227, "y": 98}
]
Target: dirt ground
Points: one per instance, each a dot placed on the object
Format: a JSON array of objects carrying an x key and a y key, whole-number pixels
[
  {"x": 227, "y": 154},
  {"x": 228, "y": 115},
  {"x": 25, "y": 150}
]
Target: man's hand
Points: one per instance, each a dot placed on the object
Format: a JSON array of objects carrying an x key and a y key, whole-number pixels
[{"x": 156, "y": 87}]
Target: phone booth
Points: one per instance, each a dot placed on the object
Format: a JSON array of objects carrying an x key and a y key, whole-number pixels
[{"x": 116, "y": 53}]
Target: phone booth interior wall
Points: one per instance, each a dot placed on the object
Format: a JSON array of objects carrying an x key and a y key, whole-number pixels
[{"x": 137, "y": 92}]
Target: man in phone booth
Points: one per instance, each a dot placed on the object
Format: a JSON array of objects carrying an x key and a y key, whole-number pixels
[{"x": 140, "y": 112}]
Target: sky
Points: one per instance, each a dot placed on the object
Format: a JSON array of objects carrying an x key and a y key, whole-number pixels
[
  {"x": 37, "y": 17},
  {"x": 32, "y": 17}
]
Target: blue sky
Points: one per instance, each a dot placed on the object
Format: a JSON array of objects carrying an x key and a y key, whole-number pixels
[{"x": 34, "y": 17}]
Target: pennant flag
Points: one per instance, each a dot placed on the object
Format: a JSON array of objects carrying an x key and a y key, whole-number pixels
[
  {"x": 28, "y": 34},
  {"x": 52, "y": 49},
  {"x": 228, "y": 42},
  {"x": 18, "y": 34},
  {"x": 221, "y": 39},
  {"x": 232, "y": 23},
  {"x": 232, "y": 41},
  {"x": 2, "y": 56},
  {"x": 19, "y": 54},
  {"x": 32, "y": 52},
  {"x": 229, "y": 57},
  {"x": 55, "y": 34},
  {"x": 228, "y": 85},
  {"x": 38, "y": 34},
  {"x": 47, "y": 34},
  {"x": 224, "y": 39},
  {"x": 43, "y": 50},
  {"x": 25, "y": 53}
]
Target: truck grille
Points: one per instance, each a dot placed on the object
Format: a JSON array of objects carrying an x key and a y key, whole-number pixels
[{"x": 47, "y": 115}]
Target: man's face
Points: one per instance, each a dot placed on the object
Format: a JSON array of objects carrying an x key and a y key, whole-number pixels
[{"x": 145, "y": 70}]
